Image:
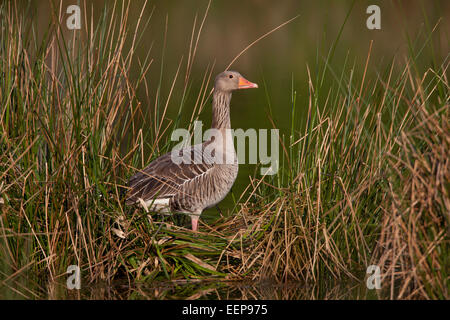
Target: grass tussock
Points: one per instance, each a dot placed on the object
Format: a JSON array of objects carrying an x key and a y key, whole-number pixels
[
  {"x": 414, "y": 242},
  {"x": 363, "y": 191},
  {"x": 364, "y": 180}
]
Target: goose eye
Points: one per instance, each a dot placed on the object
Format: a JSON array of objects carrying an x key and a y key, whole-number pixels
[{"x": 231, "y": 76}]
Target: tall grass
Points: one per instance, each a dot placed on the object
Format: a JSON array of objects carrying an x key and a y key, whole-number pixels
[
  {"x": 365, "y": 184},
  {"x": 365, "y": 181}
]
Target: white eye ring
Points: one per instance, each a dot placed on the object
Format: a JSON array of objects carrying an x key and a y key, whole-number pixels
[{"x": 231, "y": 76}]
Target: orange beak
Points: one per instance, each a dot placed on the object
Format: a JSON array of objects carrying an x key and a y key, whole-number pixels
[{"x": 245, "y": 84}]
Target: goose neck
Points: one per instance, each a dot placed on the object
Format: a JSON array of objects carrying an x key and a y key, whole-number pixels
[{"x": 221, "y": 110}]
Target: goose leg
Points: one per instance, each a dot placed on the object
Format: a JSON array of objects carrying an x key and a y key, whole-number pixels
[
  {"x": 218, "y": 209},
  {"x": 194, "y": 221}
]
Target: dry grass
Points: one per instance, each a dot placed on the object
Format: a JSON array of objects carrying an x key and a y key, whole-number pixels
[
  {"x": 414, "y": 243},
  {"x": 372, "y": 193}
]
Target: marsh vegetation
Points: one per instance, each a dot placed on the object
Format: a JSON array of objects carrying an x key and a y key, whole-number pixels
[{"x": 364, "y": 162}]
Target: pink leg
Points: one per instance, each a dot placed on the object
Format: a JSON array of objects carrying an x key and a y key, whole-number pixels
[{"x": 194, "y": 220}]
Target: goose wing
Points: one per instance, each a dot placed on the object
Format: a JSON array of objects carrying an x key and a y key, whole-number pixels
[{"x": 163, "y": 178}]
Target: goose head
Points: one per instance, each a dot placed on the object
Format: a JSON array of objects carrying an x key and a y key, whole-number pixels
[{"x": 228, "y": 81}]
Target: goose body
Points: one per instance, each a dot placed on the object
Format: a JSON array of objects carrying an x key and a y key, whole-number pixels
[{"x": 169, "y": 186}]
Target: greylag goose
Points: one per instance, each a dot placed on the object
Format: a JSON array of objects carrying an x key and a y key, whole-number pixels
[{"x": 169, "y": 186}]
